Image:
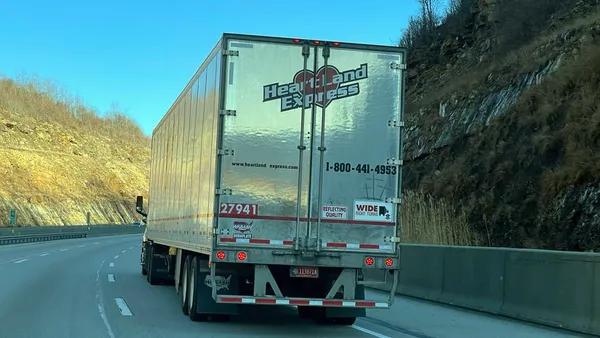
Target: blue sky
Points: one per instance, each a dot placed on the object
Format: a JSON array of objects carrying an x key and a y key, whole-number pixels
[{"x": 141, "y": 54}]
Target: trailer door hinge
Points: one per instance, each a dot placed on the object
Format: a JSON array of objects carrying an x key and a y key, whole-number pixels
[
  {"x": 393, "y": 161},
  {"x": 227, "y": 52},
  {"x": 396, "y": 124},
  {"x": 395, "y": 65},
  {"x": 228, "y": 112},
  {"x": 223, "y": 191},
  {"x": 225, "y": 152},
  {"x": 395, "y": 200},
  {"x": 391, "y": 239}
]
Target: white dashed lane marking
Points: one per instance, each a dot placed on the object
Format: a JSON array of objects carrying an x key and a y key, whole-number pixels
[
  {"x": 123, "y": 251},
  {"x": 95, "y": 243},
  {"x": 112, "y": 264},
  {"x": 81, "y": 246},
  {"x": 63, "y": 250},
  {"x": 117, "y": 256},
  {"x": 44, "y": 254},
  {"x": 123, "y": 307},
  {"x": 111, "y": 277},
  {"x": 21, "y": 260}
]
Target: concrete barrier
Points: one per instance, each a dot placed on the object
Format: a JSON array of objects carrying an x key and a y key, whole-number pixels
[{"x": 555, "y": 288}]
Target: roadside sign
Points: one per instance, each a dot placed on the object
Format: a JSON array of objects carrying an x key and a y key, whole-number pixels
[{"x": 13, "y": 217}]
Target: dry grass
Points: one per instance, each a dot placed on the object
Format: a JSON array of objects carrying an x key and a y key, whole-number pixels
[
  {"x": 61, "y": 159},
  {"x": 514, "y": 53},
  {"x": 429, "y": 220},
  {"x": 46, "y": 101}
]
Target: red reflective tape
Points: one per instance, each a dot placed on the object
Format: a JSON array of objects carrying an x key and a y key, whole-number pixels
[
  {"x": 365, "y": 304},
  {"x": 265, "y": 301},
  {"x": 228, "y": 239},
  {"x": 336, "y": 245},
  {"x": 231, "y": 299},
  {"x": 368, "y": 246},
  {"x": 260, "y": 241},
  {"x": 288, "y": 242},
  {"x": 299, "y": 302},
  {"x": 332, "y": 303}
]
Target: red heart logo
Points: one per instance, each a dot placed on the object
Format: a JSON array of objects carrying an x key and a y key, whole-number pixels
[{"x": 314, "y": 84}]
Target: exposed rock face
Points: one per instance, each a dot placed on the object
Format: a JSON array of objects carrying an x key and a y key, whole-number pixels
[{"x": 489, "y": 127}]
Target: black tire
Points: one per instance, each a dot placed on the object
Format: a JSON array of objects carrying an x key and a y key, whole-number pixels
[
  {"x": 183, "y": 285},
  {"x": 344, "y": 321},
  {"x": 144, "y": 271},
  {"x": 305, "y": 312},
  {"x": 152, "y": 278},
  {"x": 192, "y": 298}
]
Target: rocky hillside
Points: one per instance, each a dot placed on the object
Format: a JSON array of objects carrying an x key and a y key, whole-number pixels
[
  {"x": 503, "y": 119},
  {"x": 60, "y": 160}
]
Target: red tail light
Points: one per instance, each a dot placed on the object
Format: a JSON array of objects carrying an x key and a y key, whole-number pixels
[
  {"x": 221, "y": 255},
  {"x": 389, "y": 262},
  {"x": 241, "y": 256},
  {"x": 336, "y": 44},
  {"x": 296, "y": 40},
  {"x": 369, "y": 261}
]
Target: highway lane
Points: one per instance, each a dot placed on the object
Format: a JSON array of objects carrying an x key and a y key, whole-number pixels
[{"x": 93, "y": 288}]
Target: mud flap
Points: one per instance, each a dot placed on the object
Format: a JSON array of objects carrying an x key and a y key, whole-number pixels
[{"x": 227, "y": 284}]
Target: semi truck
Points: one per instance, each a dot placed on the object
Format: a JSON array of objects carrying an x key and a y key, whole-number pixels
[{"x": 276, "y": 179}]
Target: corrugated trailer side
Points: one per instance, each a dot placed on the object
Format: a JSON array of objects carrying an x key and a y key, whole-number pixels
[{"x": 183, "y": 165}]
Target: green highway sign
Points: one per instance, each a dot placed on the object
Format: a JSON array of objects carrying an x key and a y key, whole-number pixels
[{"x": 13, "y": 217}]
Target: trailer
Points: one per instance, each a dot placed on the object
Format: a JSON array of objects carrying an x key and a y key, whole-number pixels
[{"x": 276, "y": 179}]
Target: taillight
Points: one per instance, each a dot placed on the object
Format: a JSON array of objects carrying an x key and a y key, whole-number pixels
[
  {"x": 296, "y": 40},
  {"x": 336, "y": 44},
  {"x": 369, "y": 261},
  {"x": 221, "y": 255},
  {"x": 389, "y": 262},
  {"x": 241, "y": 256},
  {"x": 316, "y": 42}
]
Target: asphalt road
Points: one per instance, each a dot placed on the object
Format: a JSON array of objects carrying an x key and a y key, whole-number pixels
[{"x": 93, "y": 287}]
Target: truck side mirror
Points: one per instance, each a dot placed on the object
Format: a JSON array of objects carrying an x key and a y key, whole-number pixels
[{"x": 139, "y": 205}]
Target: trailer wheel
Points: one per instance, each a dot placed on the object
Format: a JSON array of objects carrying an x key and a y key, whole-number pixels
[
  {"x": 305, "y": 311},
  {"x": 192, "y": 296},
  {"x": 344, "y": 320},
  {"x": 151, "y": 276},
  {"x": 185, "y": 282}
]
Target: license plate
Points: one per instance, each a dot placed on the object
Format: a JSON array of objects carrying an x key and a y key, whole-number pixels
[{"x": 304, "y": 272}]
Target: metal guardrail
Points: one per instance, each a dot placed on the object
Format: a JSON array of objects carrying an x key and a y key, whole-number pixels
[
  {"x": 20, "y": 235},
  {"x": 6, "y": 240}
]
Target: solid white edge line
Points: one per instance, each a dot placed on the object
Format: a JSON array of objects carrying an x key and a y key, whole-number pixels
[
  {"x": 111, "y": 277},
  {"x": 123, "y": 307},
  {"x": 369, "y": 332}
]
